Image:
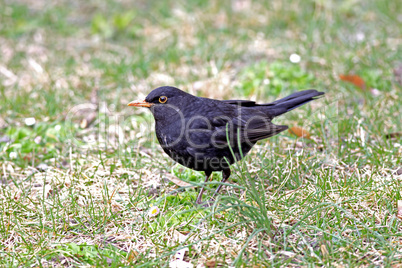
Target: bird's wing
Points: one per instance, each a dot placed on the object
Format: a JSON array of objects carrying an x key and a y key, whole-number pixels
[
  {"x": 205, "y": 135},
  {"x": 259, "y": 128},
  {"x": 243, "y": 103},
  {"x": 245, "y": 127}
]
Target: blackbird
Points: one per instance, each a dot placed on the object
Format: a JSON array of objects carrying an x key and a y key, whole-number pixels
[{"x": 209, "y": 135}]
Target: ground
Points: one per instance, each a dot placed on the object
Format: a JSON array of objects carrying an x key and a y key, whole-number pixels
[{"x": 80, "y": 171}]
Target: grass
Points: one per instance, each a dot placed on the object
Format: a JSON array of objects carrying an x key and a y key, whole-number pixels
[{"x": 78, "y": 194}]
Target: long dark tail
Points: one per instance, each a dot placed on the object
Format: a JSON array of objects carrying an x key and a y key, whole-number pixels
[{"x": 292, "y": 101}]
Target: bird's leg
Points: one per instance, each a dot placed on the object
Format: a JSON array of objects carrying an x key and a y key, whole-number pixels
[
  {"x": 199, "y": 198},
  {"x": 225, "y": 176}
]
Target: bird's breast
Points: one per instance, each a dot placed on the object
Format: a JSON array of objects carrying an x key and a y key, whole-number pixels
[{"x": 169, "y": 134}]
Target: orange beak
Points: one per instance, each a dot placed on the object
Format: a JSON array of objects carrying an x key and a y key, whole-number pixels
[{"x": 140, "y": 104}]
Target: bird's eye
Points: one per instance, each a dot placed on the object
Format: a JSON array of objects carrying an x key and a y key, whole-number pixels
[{"x": 163, "y": 99}]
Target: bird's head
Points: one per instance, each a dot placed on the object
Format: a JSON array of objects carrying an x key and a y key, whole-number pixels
[{"x": 164, "y": 101}]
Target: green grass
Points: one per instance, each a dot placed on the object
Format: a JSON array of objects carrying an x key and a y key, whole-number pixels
[{"x": 73, "y": 196}]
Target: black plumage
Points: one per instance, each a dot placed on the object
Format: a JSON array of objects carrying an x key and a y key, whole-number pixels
[{"x": 209, "y": 135}]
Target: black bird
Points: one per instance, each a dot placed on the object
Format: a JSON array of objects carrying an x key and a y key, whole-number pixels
[{"x": 209, "y": 135}]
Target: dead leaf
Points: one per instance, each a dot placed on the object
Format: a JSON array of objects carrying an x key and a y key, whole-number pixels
[
  {"x": 399, "y": 214},
  {"x": 210, "y": 263},
  {"x": 132, "y": 256},
  {"x": 87, "y": 121},
  {"x": 324, "y": 250},
  {"x": 398, "y": 171},
  {"x": 299, "y": 132},
  {"x": 354, "y": 79},
  {"x": 393, "y": 135},
  {"x": 178, "y": 182}
]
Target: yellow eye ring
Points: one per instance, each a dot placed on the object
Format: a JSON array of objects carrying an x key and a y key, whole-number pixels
[{"x": 162, "y": 99}]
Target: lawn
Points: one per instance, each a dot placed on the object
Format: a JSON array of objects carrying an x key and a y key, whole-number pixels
[{"x": 80, "y": 171}]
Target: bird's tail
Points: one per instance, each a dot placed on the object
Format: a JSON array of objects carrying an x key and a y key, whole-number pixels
[{"x": 292, "y": 101}]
